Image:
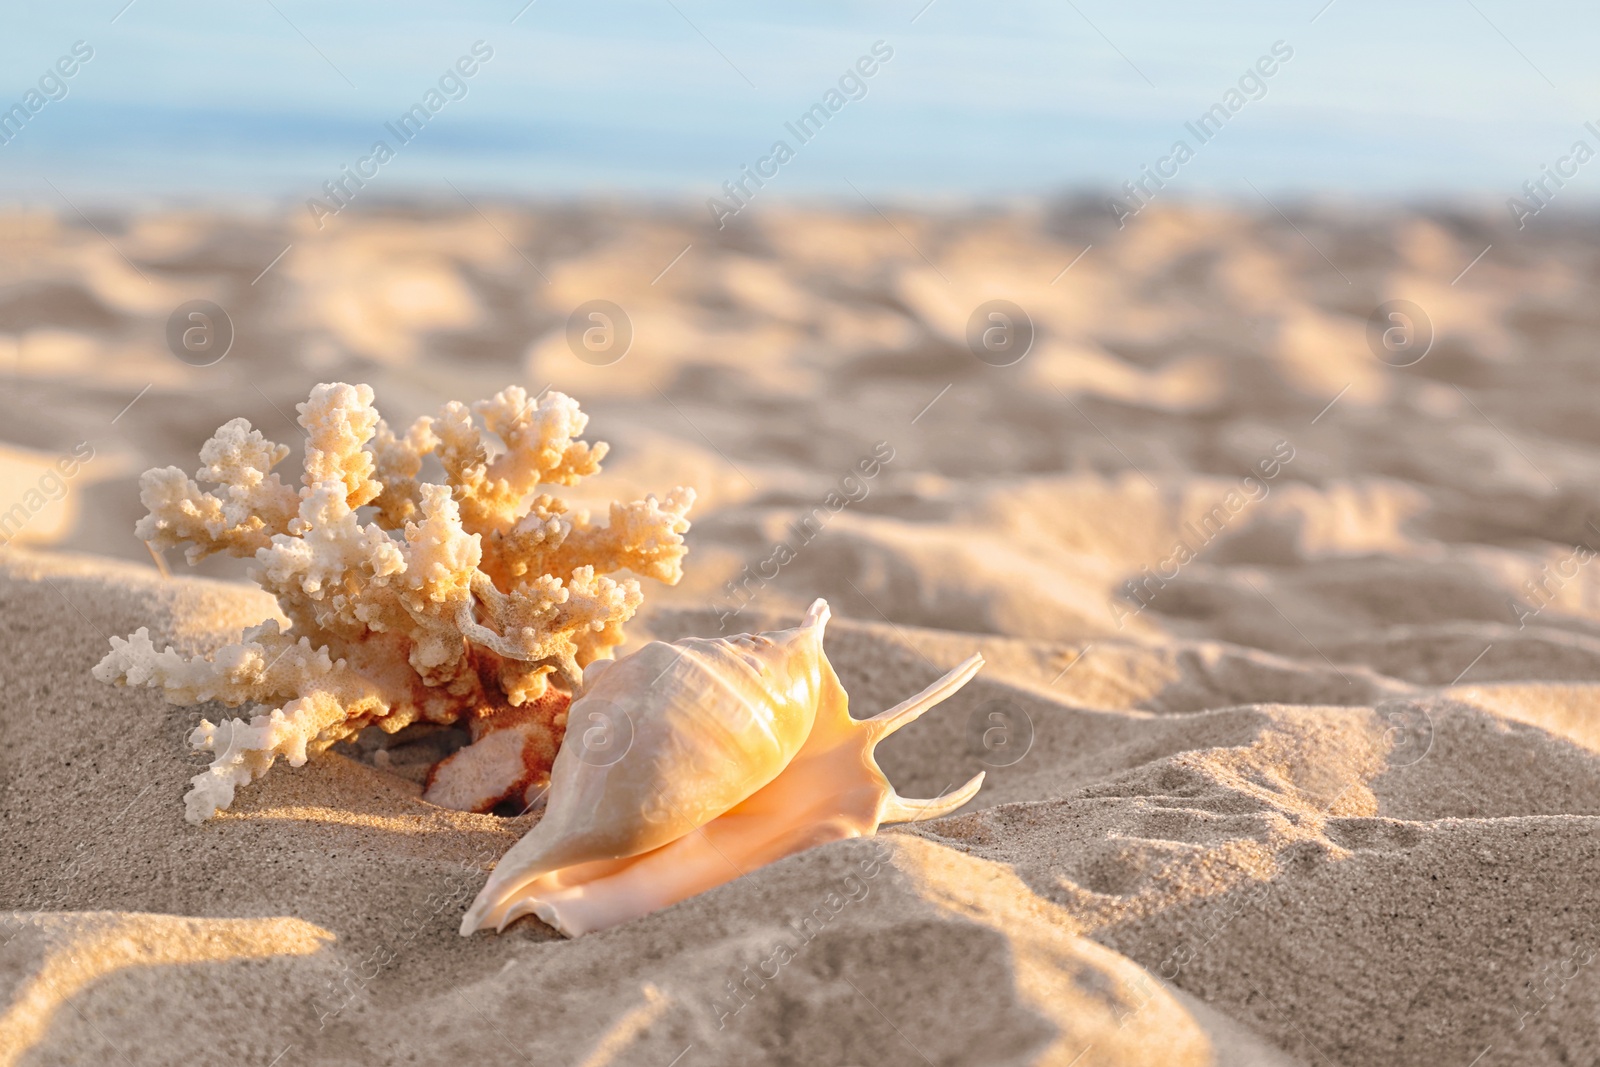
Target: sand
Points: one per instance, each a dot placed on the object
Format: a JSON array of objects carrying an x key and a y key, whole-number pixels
[{"x": 1328, "y": 795}]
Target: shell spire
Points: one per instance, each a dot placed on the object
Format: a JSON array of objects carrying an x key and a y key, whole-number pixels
[{"x": 689, "y": 764}]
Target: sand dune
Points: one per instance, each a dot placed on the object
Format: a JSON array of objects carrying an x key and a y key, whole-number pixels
[{"x": 1298, "y": 767}]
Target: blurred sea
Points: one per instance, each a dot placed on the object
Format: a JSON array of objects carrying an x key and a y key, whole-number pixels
[{"x": 228, "y": 103}]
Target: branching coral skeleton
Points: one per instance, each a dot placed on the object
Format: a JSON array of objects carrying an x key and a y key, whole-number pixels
[{"x": 455, "y": 602}]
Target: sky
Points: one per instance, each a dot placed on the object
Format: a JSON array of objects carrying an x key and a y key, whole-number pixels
[{"x": 268, "y": 99}]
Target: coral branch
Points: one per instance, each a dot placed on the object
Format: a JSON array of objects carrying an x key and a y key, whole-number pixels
[
  {"x": 245, "y": 751},
  {"x": 264, "y": 667},
  {"x": 397, "y": 462},
  {"x": 250, "y": 506},
  {"x": 339, "y": 420},
  {"x": 644, "y": 537}
]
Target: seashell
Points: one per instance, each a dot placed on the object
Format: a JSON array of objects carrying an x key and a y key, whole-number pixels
[
  {"x": 686, "y": 765},
  {"x": 508, "y": 758}
]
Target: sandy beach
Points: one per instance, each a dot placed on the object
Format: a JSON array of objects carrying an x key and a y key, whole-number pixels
[{"x": 1292, "y": 640}]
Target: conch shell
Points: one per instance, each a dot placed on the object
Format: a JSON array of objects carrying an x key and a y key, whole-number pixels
[{"x": 686, "y": 765}]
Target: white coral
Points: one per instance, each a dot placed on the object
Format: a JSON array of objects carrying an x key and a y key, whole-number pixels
[
  {"x": 250, "y": 505},
  {"x": 458, "y": 599}
]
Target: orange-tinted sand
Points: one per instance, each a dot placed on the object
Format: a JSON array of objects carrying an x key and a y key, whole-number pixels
[{"x": 1328, "y": 796}]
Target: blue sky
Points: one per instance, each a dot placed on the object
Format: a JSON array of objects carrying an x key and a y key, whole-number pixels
[{"x": 256, "y": 99}]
